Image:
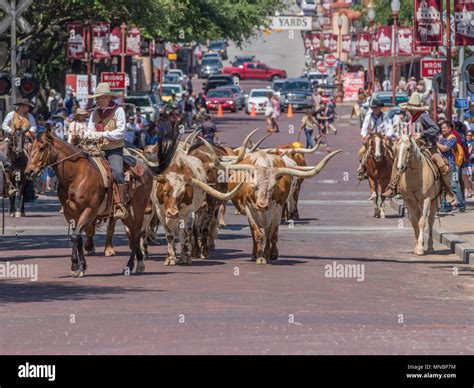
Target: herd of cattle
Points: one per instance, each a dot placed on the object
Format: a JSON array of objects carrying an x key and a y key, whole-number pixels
[{"x": 264, "y": 185}]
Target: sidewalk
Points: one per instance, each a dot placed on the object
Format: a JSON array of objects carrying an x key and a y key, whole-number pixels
[{"x": 455, "y": 230}]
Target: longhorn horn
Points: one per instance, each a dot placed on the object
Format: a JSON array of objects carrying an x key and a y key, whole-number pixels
[
  {"x": 144, "y": 158},
  {"x": 215, "y": 193},
  {"x": 299, "y": 150},
  {"x": 216, "y": 162},
  {"x": 257, "y": 144},
  {"x": 307, "y": 174},
  {"x": 192, "y": 137},
  {"x": 243, "y": 147}
]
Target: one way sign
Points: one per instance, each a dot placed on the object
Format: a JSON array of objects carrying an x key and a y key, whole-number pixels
[{"x": 14, "y": 10}]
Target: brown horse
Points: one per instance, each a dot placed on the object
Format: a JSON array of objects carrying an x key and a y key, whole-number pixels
[
  {"x": 84, "y": 196},
  {"x": 379, "y": 169},
  {"x": 16, "y": 150}
]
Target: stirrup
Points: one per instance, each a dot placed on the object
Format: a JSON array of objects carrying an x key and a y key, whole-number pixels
[
  {"x": 361, "y": 175},
  {"x": 120, "y": 212},
  {"x": 389, "y": 193}
]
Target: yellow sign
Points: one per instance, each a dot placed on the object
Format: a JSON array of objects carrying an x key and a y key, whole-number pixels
[{"x": 172, "y": 56}]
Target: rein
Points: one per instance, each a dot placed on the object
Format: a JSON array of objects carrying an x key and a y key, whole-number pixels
[{"x": 67, "y": 157}]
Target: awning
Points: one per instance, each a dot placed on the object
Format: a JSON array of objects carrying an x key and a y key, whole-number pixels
[{"x": 405, "y": 60}]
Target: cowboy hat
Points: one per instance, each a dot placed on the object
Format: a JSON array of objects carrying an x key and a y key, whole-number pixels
[
  {"x": 81, "y": 111},
  {"x": 103, "y": 89},
  {"x": 24, "y": 101},
  {"x": 414, "y": 104},
  {"x": 376, "y": 104}
]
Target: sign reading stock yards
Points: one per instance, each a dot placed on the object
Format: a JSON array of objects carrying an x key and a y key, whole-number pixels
[
  {"x": 428, "y": 28},
  {"x": 464, "y": 19}
]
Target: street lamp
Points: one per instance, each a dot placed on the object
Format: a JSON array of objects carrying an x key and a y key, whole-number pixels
[
  {"x": 371, "y": 17},
  {"x": 340, "y": 22},
  {"x": 395, "y": 5}
]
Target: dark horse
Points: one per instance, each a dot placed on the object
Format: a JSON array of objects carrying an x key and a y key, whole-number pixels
[
  {"x": 16, "y": 150},
  {"x": 83, "y": 194}
]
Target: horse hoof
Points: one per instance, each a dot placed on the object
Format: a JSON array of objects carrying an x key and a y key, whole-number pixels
[
  {"x": 12, "y": 215},
  {"x": 170, "y": 261},
  {"x": 430, "y": 250},
  {"x": 140, "y": 267},
  {"x": 419, "y": 251},
  {"x": 222, "y": 226},
  {"x": 261, "y": 260},
  {"x": 273, "y": 257},
  {"x": 18, "y": 215},
  {"x": 78, "y": 273},
  {"x": 90, "y": 252},
  {"x": 109, "y": 252}
]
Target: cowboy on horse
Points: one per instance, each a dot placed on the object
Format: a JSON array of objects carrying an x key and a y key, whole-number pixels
[
  {"x": 426, "y": 130},
  {"x": 107, "y": 125},
  {"x": 375, "y": 121},
  {"x": 19, "y": 120}
]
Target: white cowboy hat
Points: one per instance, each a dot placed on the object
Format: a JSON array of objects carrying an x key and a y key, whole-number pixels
[
  {"x": 103, "y": 89},
  {"x": 414, "y": 104}
]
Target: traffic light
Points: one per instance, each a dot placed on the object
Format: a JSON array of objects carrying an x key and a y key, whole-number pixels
[
  {"x": 29, "y": 87},
  {"x": 467, "y": 73},
  {"x": 5, "y": 85}
]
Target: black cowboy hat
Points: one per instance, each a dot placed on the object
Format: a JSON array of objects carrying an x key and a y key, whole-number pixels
[{"x": 376, "y": 104}]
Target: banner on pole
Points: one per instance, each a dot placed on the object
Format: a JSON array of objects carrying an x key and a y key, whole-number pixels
[
  {"x": 100, "y": 40},
  {"x": 75, "y": 45},
  {"x": 428, "y": 28},
  {"x": 133, "y": 42},
  {"x": 115, "y": 42},
  {"x": 405, "y": 41},
  {"x": 384, "y": 41},
  {"x": 363, "y": 44},
  {"x": 464, "y": 18},
  {"x": 347, "y": 43}
]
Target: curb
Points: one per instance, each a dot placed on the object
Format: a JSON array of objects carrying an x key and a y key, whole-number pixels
[{"x": 455, "y": 243}]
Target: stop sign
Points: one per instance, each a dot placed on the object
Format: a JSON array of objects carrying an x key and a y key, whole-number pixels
[
  {"x": 321, "y": 67},
  {"x": 330, "y": 60}
]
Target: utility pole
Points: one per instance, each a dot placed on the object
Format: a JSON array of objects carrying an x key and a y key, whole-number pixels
[
  {"x": 449, "y": 64},
  {"x": 13, "y": 50}
]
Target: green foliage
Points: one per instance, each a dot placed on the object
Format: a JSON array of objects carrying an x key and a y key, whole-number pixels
[{"x": 383, "y": 13}]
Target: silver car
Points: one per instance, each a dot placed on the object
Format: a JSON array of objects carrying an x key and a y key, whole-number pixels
[{"x": 210, "y": 67}]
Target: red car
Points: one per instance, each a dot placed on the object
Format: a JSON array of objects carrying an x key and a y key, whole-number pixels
[
  {"x": 224, "y": 97},
  {"x": 254, "y": 70}
]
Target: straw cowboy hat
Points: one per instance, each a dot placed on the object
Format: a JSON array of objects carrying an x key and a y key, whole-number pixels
[
  {"x": 24, "y": 101},
  {"x": 414, "y": 104},
  {"x": 103, "y": 89}
]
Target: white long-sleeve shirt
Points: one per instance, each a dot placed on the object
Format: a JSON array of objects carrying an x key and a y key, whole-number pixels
[
  {"x": 119, "y": 133},
  {"x": 380, "y": 124},
  {"x": 8, "y": 119}
]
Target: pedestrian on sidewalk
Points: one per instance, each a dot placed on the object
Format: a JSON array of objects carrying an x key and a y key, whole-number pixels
[
  {"x": 269, "y": 113},
  {"x": 276, "y": 113},
  {"x": 450, "y": 149},
  {"x": 309, "y": 124}
]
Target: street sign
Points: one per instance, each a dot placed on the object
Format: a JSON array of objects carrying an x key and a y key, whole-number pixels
[
  {"x": 461, "y": 103},
  {"x": 431, "y": 67},
  {"x": 301, "y": 23},
  {"x": 330, "y": 60},
  {"x": 115, "y": 80},
  {"x": 20, "y": 8},
  {"x": 322, "y": 67}
]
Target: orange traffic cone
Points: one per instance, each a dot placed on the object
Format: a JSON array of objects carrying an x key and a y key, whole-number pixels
[
  {"x": 290, "y": 110},
  {"x": 253, "y": 113},
  {"x": 219, "y": 111}
]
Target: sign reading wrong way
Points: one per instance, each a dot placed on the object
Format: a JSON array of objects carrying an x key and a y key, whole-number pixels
[{"x": 302, "y": 23}]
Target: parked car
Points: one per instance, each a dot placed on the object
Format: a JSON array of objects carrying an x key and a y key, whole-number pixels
[
  {"x": 258, "y": 98},
  {"x": 213, "y": 84},
  {"x": 277, "y": 85},
  {"x": 297, "y": 92},
  {"x": 254, "y": 70},
  {"x": 223, "y": 97},
  {"x": 169, "y": 89},
  {"x": 222, "y": 77},
  {"x": 386, "y": 99},
  {"x": 316, "y": 78},
  {"x": 237, "y": 94},
  {"x": 212, "y": 55},
  {"x": 171, "y": 79},
  {"x": 209, "y": 67},
  {"x": 179, "y": 73},
  {"x": 241, "y": 59},
  {"x": 145, "y": 102},
  {"x": 220, "y": 47}
]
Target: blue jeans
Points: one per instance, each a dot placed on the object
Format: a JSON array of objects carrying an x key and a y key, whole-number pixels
[
  {"x": 309, "y": 139},
  {"x": 115, "y": 159},
  {"x": 456, "y": 189}
]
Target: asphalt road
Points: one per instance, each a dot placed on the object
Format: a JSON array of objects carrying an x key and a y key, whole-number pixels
[{"x": 403, "y": 304}]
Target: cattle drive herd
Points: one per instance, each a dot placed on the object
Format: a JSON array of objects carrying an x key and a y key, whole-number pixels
[{"x": 181, "y": 185}]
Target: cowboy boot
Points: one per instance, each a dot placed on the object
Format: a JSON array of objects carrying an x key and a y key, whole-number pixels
[
  {"x": 391, "y": 189},
  {"x": 120, "y": 200},
  {"x": 446, "y": 180}
]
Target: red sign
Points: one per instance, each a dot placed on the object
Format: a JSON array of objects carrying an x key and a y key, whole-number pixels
[
  {"x": 115, "y": 80},
  {"x": 363, "y": 44},
  {"x": 430, "y": 67},
  {"x": 75, "y": 44},
  {"x": 330, "y": 42},
  {"x": 428, "y": 28},
  {"x": 405, "y": 41},
  {"x": 352, "y": 83},
  {"x": 312, "y": 40},
  {"x": 322, "y": 67},
  {"x": 346, "y": 43},
  {"x": 100, "y": 41},
  {"x": 463, "y": 16},
  {"x": 133, "y": 42},
  {"x": 115, "y": 42},
  {"x": 330, "y": 60},
  {"x": 383, "y": 37}
]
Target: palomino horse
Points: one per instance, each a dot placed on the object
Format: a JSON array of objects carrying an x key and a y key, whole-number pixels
[
  {"x": 420, "y": 187},
  {"x": 17, "y": 150},
  {"x": 379, "y": 170},
  {"x": 83, "y": 195}
]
